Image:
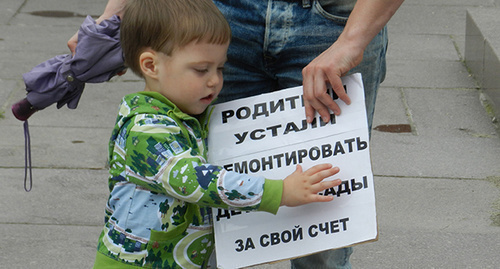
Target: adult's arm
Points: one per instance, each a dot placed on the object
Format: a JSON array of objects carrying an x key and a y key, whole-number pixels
[
  {"x": 113, "y": 7},
  {"x": 366, "y": 20}
]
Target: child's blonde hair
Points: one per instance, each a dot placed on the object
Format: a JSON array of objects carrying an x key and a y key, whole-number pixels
[{"x": 163, "y": 25}]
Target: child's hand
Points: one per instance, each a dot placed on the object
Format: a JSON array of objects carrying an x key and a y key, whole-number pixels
[{"x": 302, "y": 188}]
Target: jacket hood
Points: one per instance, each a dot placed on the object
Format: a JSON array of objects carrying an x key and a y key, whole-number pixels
[{"x": 155, "y": 104}]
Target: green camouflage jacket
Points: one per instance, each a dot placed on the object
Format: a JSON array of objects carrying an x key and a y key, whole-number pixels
[{"x": 158, "y": 214}]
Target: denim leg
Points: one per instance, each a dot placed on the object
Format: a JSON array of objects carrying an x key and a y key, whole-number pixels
[
  {"x": 245, "y": 72},
  {"x": 338, "y": 258},
  {"x": 373, "y": 69},
  {"x": 273, "y": 40}
]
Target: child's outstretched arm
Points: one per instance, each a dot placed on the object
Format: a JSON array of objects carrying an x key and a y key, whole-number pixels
[{"x": 302, "y": 187}]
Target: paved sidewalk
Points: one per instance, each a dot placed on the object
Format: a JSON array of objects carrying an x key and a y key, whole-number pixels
[{"x": 437, "y": 186}]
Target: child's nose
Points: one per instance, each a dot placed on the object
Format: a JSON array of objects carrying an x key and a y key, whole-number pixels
[{"x": 214, "y": 80}]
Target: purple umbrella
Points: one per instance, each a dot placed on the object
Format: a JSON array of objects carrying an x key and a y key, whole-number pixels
[{"x": 98, "y": 57}]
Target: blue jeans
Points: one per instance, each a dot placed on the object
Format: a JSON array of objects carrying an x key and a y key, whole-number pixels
[{"x": 273, "y": 40}]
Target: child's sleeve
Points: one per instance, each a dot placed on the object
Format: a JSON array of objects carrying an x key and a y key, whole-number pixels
[{"x": 161, "y": 159}]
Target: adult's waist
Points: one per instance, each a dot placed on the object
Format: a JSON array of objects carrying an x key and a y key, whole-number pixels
[{"x": 325, "y": 3}]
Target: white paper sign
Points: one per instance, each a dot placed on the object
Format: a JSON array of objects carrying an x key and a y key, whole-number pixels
[{"x": 268, "y": 135}]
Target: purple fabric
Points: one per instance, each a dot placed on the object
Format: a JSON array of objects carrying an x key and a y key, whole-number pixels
[{"x": 98, "y": 57}]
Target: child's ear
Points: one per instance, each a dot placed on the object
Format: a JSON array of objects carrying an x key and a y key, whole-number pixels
[{"x": 148, "y": 61}]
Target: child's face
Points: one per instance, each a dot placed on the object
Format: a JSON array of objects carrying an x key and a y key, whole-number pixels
[{"x": 192, "y": 76}]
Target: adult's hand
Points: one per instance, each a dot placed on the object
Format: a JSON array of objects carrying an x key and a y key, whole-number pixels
[
  {"x": 366, "y": 20},
  {"x": 72, "y": 43},
  {"x": 328, "y": 68},
  {"x": 113, "y": 7}
]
